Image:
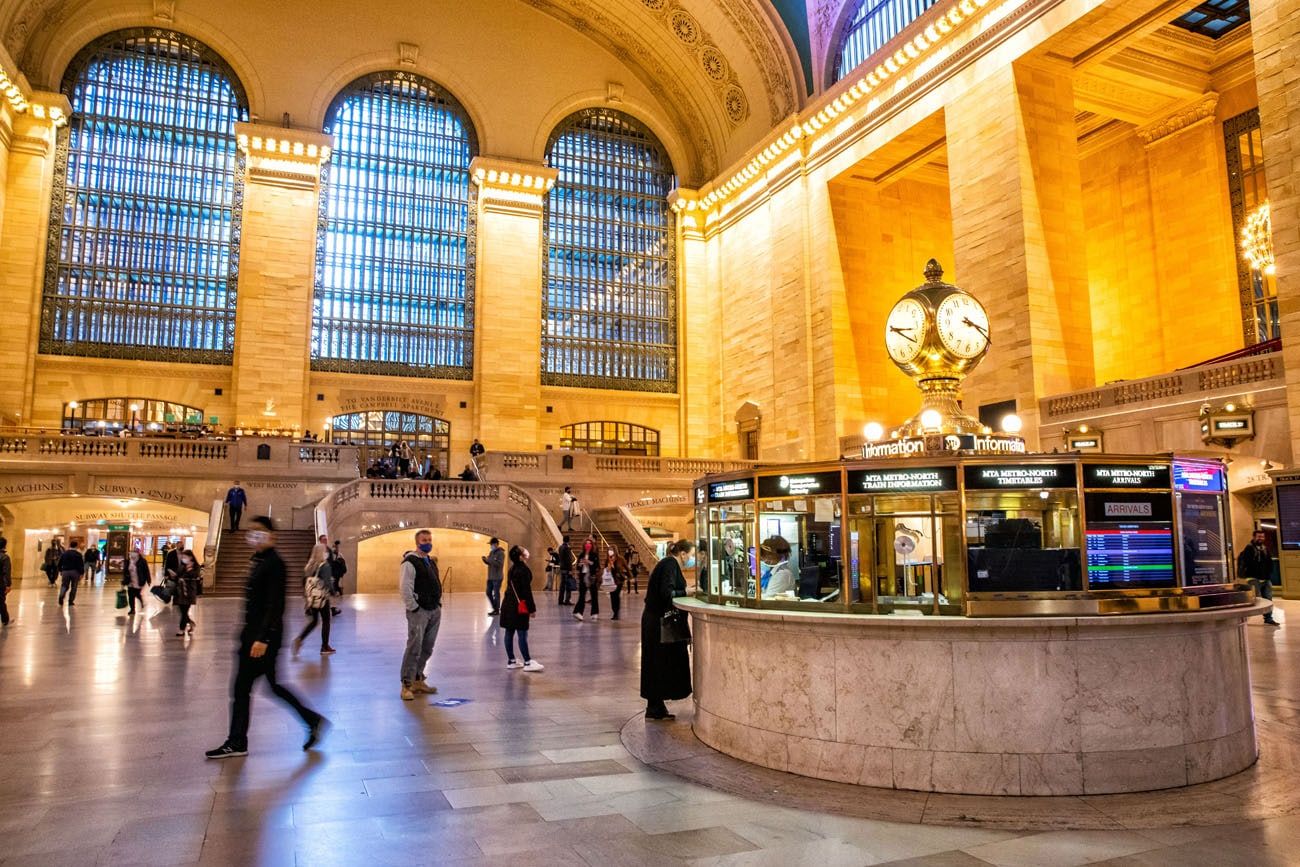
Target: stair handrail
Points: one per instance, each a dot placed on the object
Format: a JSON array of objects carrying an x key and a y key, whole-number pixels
[
  {"x": 216, "y": 520},
  {"x": 637, "y": 537}
]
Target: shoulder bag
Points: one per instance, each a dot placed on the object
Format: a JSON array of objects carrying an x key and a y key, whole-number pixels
[{"x": 673, "y": 627}]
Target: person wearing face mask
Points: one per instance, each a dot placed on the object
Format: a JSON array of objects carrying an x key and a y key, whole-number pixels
[
  {"x": 516, "y": 607},
  {"x": 613, "y": 574},
  {"x": 665, "y": 668},
  {"x": 135, "y": 579},
  {"x": 187, "y": 591},
  {"x": 775, "y": 554},
  {"x": 259, "y": 644},
  {"x": 588, "y": 573},
  {"x": 1255, "y": 566},
  {"x": 421, "y": 592}
]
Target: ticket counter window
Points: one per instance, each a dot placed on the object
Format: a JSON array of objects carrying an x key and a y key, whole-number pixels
[
  {"x": 1023, "y": 541},
  {"x": 799, "y": 551},
  {"x": 905, "y": 549},
  {"x": 731, "y": 552}
]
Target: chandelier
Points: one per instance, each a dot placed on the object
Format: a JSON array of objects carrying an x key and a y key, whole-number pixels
[{"x": 1257, "y": 240}]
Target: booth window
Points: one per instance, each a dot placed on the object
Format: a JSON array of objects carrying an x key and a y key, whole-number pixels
[
  {"x": 609, "y": 309},
  {"x": 394, "y": 266},
  {"x": 377, "y": 431},
  {"x": 144, "y": 221},
  {"x": 1024, "y": 540},
  {"x": 1243, "y": 143},
  {"x": 610, "y": 438},
  {"x": 112, "y": 414},
  {"x": 870, "y": 27}
]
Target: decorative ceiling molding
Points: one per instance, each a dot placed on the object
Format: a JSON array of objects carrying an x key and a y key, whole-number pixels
[
  {"x": 695, "y": 40},
  {"x": 1185, "y": 118},
  {"x": 782, "y": 81}
]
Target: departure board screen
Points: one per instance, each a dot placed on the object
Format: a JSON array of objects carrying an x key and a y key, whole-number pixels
[{"x": 1130, "y": 554}]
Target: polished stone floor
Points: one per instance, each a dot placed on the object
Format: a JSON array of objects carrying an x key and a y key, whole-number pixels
[{"x": 103, "y": 722}]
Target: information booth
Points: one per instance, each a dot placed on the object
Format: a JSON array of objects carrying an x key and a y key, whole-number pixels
[{"x": 976, "y": 536}]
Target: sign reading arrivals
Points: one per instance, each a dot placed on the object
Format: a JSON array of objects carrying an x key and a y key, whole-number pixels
[
  {"x": 1011, "y": 476},
  {"x": 739, "y": 489},
  {"x": 805, "y": 485},
  {"x": 891, "y": 480},
  {"x": 1126, "y": 475}
]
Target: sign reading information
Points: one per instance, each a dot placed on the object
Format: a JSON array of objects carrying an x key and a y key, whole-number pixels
[
  {"x": 909, "y": 480},
  {"x": 808, "y": 484},
  {"x": 1011, "y": 476},
  {"x": 740, "y": 489},
  {"x": 1126, "y": 475}
]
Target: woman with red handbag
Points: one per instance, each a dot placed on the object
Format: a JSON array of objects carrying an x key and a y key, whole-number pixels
[{"x": 516, "y": 606}]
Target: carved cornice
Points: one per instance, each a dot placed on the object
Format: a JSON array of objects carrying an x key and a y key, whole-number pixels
[
  {"x": 1190, "y": 115},
  {"x": 283, "y": 157},
  {"x": 511, "y": 185}
]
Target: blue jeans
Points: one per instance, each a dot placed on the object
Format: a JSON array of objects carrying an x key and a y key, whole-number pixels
[{"x": 523, "y": 644}]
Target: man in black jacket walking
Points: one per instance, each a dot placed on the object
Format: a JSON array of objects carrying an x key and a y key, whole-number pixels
[
  {"x": 259, "y": 644},
  {"x": 1255, "y": 565}
]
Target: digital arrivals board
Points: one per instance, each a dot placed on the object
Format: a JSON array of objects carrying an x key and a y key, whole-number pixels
[{"x": 1130, "y": 540}]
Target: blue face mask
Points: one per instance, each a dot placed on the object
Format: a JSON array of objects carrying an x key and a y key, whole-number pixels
[
  {"x": 690, "y": 562},
  {"x": 425, "y": 547}
]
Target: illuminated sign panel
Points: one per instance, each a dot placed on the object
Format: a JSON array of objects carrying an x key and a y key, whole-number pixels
[
  {"x": 909, "y": 480},
  {"x": 1201, "y": 478},
  {"x": 804, "y": 485},
  {"x": 1011, "y": 476},
  {"x": 740, "y": 489},
  {"x": 1126, "y": 475}
]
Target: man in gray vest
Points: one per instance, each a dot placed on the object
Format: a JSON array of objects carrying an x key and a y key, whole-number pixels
[
  {"x": 421, "y": 592},
  {"x": 495, "y": 560}
]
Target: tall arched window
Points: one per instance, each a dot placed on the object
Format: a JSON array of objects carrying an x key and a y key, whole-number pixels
[
  {"x": 395, "y": 274},
  {"x": 870, "y": 27},
  {"x": 609, "y": 312},
  {"x": 610, "y": 438},
  {"x": 144, "y": 223}
]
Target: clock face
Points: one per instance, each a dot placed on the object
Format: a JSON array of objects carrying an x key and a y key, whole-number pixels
[
  {"x": 905, "y": 330},
  {"x": 963, "y": 325}
]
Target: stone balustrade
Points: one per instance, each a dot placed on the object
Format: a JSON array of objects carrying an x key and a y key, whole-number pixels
[
  {"x": 1190, "y": 384},
  {"x": 562, "y": 466}
]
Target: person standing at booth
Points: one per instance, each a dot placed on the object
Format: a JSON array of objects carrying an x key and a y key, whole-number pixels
[
  {"x": 1255, "y": 565},
  {"x": 665, "y": 668}
]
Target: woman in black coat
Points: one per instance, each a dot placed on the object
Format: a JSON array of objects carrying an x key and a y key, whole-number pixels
[
  {"x": 665, "y": 668},
  {"x": 135, "y": 578},
  {"x": 518, "y": 595}
]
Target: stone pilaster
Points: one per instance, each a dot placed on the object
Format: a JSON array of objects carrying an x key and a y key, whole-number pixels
[
  {"x": 699, "y": 348},
  {"x": 27, "y": 150},
  {"x": 1017, "y": 219},
  {"x": 1275, "y": 31},
  {"x": 508, "y": 304},
  {"x": 277, "y": 272}
]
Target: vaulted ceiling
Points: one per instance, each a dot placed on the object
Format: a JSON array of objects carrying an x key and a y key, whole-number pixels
[{"x": 726, "y": 71}]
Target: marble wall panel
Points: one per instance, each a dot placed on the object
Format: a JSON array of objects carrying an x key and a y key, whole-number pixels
[
  {"x": 1051, "y": 774},
  {"x": 877, "y": 767},
  {"x": 1015, "y": 696},
  {"x": 914, "y": 769},
  {"x": 1215, "y": 680},
  {"x": 894, "y": 693},
  {"x": 977, "y": 773},
  {"x": 1131, "y": 692},
  {"x": 1134, "y": 770},
  {"x": 1215, "y": 759},
  {"x": 798, "y": 698}
]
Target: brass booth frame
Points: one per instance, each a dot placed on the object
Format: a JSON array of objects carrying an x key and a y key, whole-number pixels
[{"x": 745, "y": 492}]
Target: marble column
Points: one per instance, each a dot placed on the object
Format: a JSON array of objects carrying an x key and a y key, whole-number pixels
[
  {"x": 30, "y": 140},
  {"x": 508, "y": 302},
  {"x": 1017, "y": 219},
  {"x": 277, "y": 273},
  {"x": 1275, "y": 32}
]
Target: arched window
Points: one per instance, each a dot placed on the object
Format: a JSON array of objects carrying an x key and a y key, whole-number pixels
[
  {"x": 610, "y": 438},
  {"x": 142, "y": 414},
  {"x": 609, "y": 312},
  {"x": 870, "y": 27},
  {"x": 378, "y": 431},
  {"x": 395, "y": 274},
  {"x": 145, "y": 218}
]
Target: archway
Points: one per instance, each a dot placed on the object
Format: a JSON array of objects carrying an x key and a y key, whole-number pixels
[
  {"x": 377, "y": 431},
  {"x": 459, "y": 553}
]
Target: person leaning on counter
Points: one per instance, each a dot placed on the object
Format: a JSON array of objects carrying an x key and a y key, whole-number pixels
[{"x": 775, "y": 554}]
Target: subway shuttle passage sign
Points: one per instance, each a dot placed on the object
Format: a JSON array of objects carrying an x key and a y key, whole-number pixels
[
  {"x": 1126, "y": 476},
  {"x": 1013, "y": 476},
  {"x": 807, "y": 484},
  {"x": 740, "y": 489},
  {"x": 909, "y": 480}
]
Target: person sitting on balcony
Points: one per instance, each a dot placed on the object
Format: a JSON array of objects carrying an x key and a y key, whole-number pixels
[{"x": 468, "y": 474}]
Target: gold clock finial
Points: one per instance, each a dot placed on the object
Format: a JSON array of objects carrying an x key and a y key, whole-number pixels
[{"x": 933, "y": 271}]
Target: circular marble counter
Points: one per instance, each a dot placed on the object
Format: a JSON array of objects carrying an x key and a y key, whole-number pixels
[{"x": 982, "y": 706}]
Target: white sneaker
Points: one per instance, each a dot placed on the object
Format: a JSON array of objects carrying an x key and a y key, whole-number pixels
[
  {"x": 577, "y": 616},
  {"x": 595, "y": 617},
  {"x": 533, "y": 665},
  {"x": 514, "y": 663}
]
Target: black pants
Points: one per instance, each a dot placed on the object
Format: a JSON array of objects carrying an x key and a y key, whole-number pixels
[
  {"x": 494, "y": 595},
  {"x": 185, "y": 617},
  {"x": 583, "y": 590},
  {"x": 566, "y": 588},
  {"x": 616, "y": 600},
  {"x": 133, "y": 596},
  {"x": 321, "y": 615},
  {"x": 4, "y": 607},
  {"x": 247, "y": 671},
  {"x": 52, "y": 572},
  {"x": 235, "y": 512}
]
